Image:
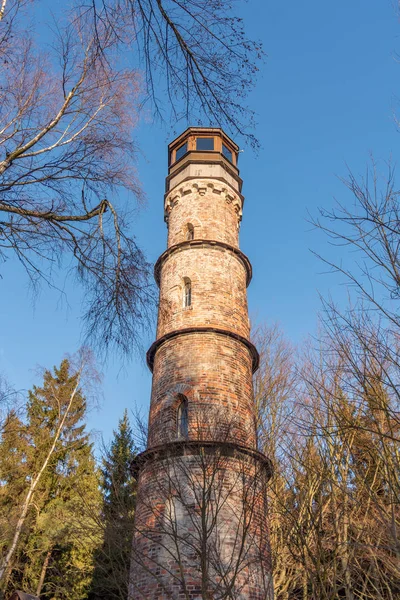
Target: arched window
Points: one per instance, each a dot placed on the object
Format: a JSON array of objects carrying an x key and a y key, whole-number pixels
[
  {"x": 187, "y": 292},
  {"x": 182, "y": 421},
  {"x": 189, "y": 232}
]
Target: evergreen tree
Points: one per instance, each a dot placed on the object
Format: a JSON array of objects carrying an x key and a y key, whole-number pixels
[
  {"x": 119, "y": 487},
  {"x": 52, "y": 461},
  {"x": 13, "y": 475}
]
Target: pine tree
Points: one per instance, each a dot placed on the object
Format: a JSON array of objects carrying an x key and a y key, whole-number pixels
[
  {"x": 13, "y": 475},
  {"x": 119, "y": 487},
  {"x": 58, "y": 479}
]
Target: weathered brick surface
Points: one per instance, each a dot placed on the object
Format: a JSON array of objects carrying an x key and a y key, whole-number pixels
[
  {"x": 214, "y": 372},
  {"x": 227, "y": 527},
  {"x": 201, "y": 353},
  {"x": 213, "y": 212},
  {"x": 219, "y": 296}
]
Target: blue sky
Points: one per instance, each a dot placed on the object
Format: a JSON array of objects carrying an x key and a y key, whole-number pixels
[{"x": 326, "y": 97}]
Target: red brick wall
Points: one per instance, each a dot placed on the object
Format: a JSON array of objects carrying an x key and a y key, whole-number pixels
[
  {"x": 215, "y": 373},
  {"x": 172, "y": 501},
  {"x": 219, "y": 296},
  {"x": 214, "y": 212}
]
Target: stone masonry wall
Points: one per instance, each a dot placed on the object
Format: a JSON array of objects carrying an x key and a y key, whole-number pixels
[
  {"x": 176, "y": 522},
  {"x": 214, "y": 372},
  {"x": 219, "y": 296},
  {"x": 213, "y": 209}
]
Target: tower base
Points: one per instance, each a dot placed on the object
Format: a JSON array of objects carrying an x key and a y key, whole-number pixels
[{"x": 200, "y": 528}]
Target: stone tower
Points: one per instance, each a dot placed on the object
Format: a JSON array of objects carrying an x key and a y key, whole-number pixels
[{"x": 200, "y": 524}]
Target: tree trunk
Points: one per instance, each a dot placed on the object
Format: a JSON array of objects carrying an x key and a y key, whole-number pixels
[
  {"x": 43, "y": 573},
  {"x": 25, "y": 507}
]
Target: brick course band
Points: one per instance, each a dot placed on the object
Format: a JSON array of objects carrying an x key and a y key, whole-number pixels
[
  {"x": 172, "y": 334},
  {"x": 193, "y": 447},
  {"x": 201, "y": 244}
]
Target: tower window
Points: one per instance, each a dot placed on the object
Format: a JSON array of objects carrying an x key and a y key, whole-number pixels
[
  {"x": 187, "y": 292},
  {"x": 203, "y": 143},
  {"x": 181, "y": 151},
  {"x": 226, "y": 152},
  {"x": 190, "y": 232},
  {"x": 182, "y": 420}
]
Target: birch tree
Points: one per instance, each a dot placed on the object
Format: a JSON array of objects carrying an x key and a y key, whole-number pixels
[
  {"x": 46, "y": 442},
  {"x": 69, "y": 105}
]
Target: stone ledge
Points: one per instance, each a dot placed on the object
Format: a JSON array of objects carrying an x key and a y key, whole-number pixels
[
  {"x": 200, "y": 244},
  {"x": 188, "y": 330},
  {"x": 194, "y": 447},
  {"x": 192, "y": 159}
]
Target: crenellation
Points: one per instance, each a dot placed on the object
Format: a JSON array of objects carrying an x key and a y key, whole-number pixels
[{"x": 204, "y": 202}]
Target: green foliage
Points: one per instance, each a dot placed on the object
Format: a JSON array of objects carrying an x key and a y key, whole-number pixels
[
  {"x": 119, "y": 488},
  {"x": 14, "y": 471},
  {"x": 55, "y": 551}
]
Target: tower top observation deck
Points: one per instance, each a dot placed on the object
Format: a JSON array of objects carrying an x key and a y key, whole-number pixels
[{"x": 203, "y": 152}]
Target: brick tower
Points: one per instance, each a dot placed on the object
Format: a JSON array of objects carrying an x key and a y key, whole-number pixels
[{"x": 200, "y": 523}]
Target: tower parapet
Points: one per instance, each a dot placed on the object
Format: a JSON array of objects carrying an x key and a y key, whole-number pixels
[
  {"x": 201, "y": 413},
  {"x": 203, "y": 152}
]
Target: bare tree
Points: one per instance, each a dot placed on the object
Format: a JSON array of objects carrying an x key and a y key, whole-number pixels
[
  {"x": 67, "y": 115},
  {"x": 64, "y": 130},
  {"x": 274, "y": 388},
  {"x": 195, "y": 53},
  {"x": 361, "y": 350},
  {"x": 329, "y": 421},
  {"x": 276, "y": 410},
  {"x": 349, "y": 411},
  {"x": 368, "y": 226}
]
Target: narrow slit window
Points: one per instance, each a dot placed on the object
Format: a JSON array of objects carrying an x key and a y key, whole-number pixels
[
  {"x": 182, "y": 418},
  {"x": 190, "y": 232},
  {"x": 187, "y": 292},
  {"x": 204, "y": 143}
]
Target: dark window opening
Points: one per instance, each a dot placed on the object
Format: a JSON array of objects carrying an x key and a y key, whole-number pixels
[
  {"x": 187, "y": 293},
  {"x": 190, "y": 232},
  {"x": 181, "y": 151},
  {"x": 226, "y": 152},
  {"x": 182, "y": 418},
  {"x": 204, "y": 143}
]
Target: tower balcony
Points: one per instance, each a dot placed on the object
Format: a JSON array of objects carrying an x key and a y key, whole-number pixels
[{"x": 205, "y": 152}]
